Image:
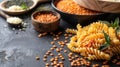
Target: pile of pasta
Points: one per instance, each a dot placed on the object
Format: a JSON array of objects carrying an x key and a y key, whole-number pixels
[{"x": 87, "y": 41}]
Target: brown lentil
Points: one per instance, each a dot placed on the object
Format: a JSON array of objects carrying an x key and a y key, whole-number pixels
[
  {"x": 45, "y": 56},
  {"x": 37, "y": 58},
  {"x": 57, "y": 49},
  {"x": 40, "y": 35},
  {"x": 69, "y": 6},
  {"x": 51, "y": 54},
  {"x": 52, "y": 43},
  {"x": 44, "y": 59},
  {"x": 47, "y": 64}
]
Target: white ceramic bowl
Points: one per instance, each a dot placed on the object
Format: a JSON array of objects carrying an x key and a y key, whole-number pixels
[{"x": 100, "y": 5}]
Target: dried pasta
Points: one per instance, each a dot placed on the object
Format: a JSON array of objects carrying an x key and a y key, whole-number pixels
[{"x": 88, "y": 39}]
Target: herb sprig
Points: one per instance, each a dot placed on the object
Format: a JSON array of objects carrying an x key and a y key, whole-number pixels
[
  {"x": 107, "y": 43},
  {"x": 24, "y": 5}
]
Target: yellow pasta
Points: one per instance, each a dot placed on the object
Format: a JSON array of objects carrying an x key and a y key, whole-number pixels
[{"x": 88, "y": 40}]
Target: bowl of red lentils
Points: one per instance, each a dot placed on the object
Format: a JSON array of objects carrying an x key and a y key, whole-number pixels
[
  {"x": 74, "y": 13},
  {"x": 45, "y": 21}
]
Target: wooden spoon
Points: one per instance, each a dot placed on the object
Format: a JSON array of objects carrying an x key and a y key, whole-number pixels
[
  {"x": 14, "y": 18},
  {"x": 35, "y": 2},
  {"x": 100, "y": 5}
]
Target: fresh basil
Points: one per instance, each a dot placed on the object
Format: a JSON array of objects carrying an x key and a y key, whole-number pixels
[{"x": 107, "y": 43}]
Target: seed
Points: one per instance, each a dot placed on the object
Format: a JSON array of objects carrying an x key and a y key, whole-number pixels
[
  {"x": 55, "y": 62},
  {"x": 45, "y": 56},
  {"x": 65, "y": 51},
  {"x": 56, "y": 57},
  {"x": 51, "y": 54},
  {"x": 70, "y": 60},
  {"x": 105, "y": 62},
  {"x": 52, "y": 59},
  {"x": 62, "y": 45},
  {"x": 66, "y": 37},
  {"x": 58, "y": 65},
  {"x": 63, "y": 58},
  {"x": 52, "y": 43},
  {"x": 55, "y": 39},
  {"x": 54, "y": 46},
  {"x": 59, "y": 54},
  {"x": 40, "y": 35},
  {"x": 57, "y": 49},
  {"x": 49, "y": 51},
  {"x": 52, "y": 64},
  {"x": 70, "y": 35},
  {"x": 37, "y": 58},
  {"x": 44, "y": 59},
  {"x": 59, "y": 33},
  {"x": 61, "y": 49},
  {"x": 76, "y": 56},
  {"x": 61, "y": 62},
  {"x": 66, "y": 41},
  {"x": 47, "y": 64},
  {"x": 44, "y": 33},
  {"x": 51, "y": 48}
]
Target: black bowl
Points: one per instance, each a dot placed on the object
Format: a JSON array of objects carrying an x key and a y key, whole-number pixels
[{"x": 75, "y": 19}]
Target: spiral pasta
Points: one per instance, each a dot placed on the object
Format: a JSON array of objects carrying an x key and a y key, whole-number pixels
[{"x": 88, "y": 40}]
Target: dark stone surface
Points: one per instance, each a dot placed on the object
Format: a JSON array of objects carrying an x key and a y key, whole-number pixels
[{"x": 19, "y": 48}]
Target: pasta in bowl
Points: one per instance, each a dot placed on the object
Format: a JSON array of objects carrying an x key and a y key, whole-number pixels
[{"x": 97, "y": 41}]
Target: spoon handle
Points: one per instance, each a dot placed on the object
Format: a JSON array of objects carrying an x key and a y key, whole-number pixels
[{"x": 4, "y": 14}]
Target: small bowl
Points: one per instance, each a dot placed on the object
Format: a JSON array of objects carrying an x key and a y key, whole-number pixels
[
  {"x": 45, "y": 26},
  {"x": 75, "y": 19}
]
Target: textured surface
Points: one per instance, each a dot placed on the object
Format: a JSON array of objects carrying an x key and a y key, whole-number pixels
[{"x": 19, "y": 48}]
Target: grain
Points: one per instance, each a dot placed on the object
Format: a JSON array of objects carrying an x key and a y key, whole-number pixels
[{"x": 69, "y": 6}]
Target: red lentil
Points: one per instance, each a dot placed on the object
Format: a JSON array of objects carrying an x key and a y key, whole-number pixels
[
  {"x": 69, "y": 6},
  {"x": 46, "y": 17}
]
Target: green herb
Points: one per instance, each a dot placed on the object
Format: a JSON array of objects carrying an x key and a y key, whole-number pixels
[
  {"x": 115, "y": 24},
  {"x": 107, "y": 43},
  {"x": 24, "y": 6}
]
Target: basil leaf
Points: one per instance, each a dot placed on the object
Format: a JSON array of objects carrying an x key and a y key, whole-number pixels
[
  {"x": 106, "y": 22},
  {"x": 107, "y": 38},
  {"x": 104, "y": 46},
  {"x": 107, "y": 43}
]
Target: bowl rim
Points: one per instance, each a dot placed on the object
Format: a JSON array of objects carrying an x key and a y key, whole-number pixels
[
  {"x": 54, "y": 12},
  {"x": 55, "y": 1}
]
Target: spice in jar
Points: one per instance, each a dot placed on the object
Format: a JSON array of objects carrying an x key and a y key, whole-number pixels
[
  {"x": 46, "y": 17},
  {"x": 69, "y": 6}
]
